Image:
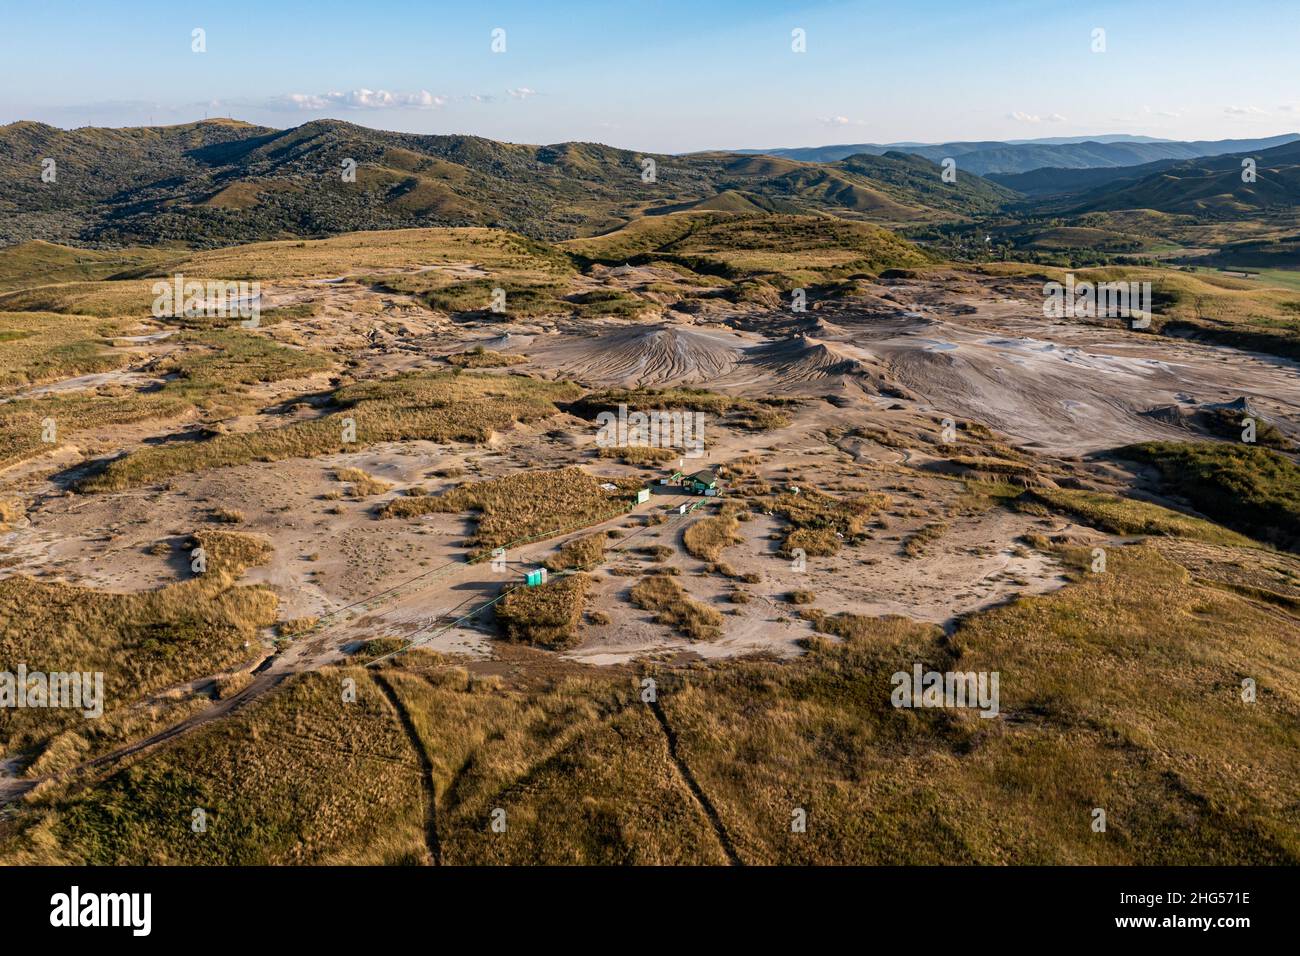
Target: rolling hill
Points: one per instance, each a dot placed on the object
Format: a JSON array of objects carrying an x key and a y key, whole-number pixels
[
  {"x": 1210, "y": 188},
  {"x": 991, "y": 156},
  {"x": 221, "y": 181},
  {"x": 1057, "y": 181}
]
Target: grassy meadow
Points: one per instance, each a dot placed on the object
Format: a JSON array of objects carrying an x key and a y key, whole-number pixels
[
  {"x": 1127, "y": 698},
  {"x": 141, "y": 642},
  {"x": 440, "y": 406}
]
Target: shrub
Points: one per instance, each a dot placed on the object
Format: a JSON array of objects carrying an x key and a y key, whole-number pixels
[
  {"x": 673, "y": 606},
  {"x": 1245, "y": 487},
  {"x": 363, "y": 484},
  {"x": 544, "y": 616},
  {"x": 580, "y": 553}
]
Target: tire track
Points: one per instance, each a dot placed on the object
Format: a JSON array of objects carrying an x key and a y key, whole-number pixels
[
  {"x": 432, "y": 841},
  {"x": 13, "y": 788},
  {"x": 701, "y": 797}
]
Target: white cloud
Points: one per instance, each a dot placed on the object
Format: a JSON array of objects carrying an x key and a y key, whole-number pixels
[
  {"x": 839, "y": 121},
  {"x": 423, "y": 100},
  {"x": 297, "y": 101},
  {"x": 361, "y": 99},
  {"x": 522, "y": 93},
  {"x": 1244, "y": 111},
  {"x": 1021, "y": 117}
]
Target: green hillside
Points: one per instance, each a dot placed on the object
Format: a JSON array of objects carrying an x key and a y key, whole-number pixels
[
  {"x": 219, "y": 182},
  {"x": 1212, "y": 187}
]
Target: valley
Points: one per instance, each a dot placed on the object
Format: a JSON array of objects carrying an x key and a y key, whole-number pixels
[{"x": 915, "y": 465}]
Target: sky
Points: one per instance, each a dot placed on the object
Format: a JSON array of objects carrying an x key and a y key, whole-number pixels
[{"x": 665, "y": 75}]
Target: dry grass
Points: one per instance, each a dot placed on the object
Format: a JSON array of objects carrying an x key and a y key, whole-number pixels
[
  {"x": 301, "y": 777},
  {"x": 141, "y": 642},
  {"x": 1251, "y": 489},
  {"x": 230, "y": 552},
  {"x": 11, "y": 512},
  {"x": 232, "y": 684},
  {"x": 22, "y": 421},
  {"x": 581, "y": 768},
  {"x": 43, "y": 263},
  {"x": 297, "y": 625},
  {"x": 37, "y": 347},
  {"x": 920, "y": 540},
  {"x": 544, "y": 616},
  {"x": 762, "y": 419},
  {"x": 518, "y": 507},
  {"x": 363, "y": 483},
  {"x": 442, "y": 407},
  {"x": 215, "y": 372},
  {"x": 672, "y": 606},
  {"x": 580, "y": 554},
  {"x": 1242, "y": 313},
  {"x": 1130, "y": 516},
  {"x": 682, "y": 398},
  {"x": 216, "y": 362},
  {"x": 708, "y": 537},
  {"x": 820, "y": 523},
  {"x": 1127, "y": 698},
  {"x": 480, "y": 357},
  {"x": 97, "y": 299},
  {"x": 638, "y": 454}
]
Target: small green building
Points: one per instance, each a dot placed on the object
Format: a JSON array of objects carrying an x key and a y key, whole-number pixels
[{"x": 701, "y": 483}]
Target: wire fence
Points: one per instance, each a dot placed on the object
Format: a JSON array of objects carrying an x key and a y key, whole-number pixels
[
  {"x": 424, "y": 579},
  {"x": 417, "y": 639}
]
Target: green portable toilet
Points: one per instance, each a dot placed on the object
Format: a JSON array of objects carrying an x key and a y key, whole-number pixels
[{"x": 535, "y": 577}]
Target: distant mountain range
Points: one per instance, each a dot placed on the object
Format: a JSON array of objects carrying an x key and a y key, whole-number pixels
[
  {"x": 221, "y": 181},
  {"x": 1212, "y": 186},
  {"x": 984, "y": 158}
]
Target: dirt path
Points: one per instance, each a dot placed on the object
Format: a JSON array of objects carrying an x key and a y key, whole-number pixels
[
  {"x": 702, "y": 798},
  {"x": 429, "y": 785},
  {"x": 12, "y": 788},
  {"x": 311, "y": 653}
]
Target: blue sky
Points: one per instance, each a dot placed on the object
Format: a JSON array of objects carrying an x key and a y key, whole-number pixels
[{"x": 667, "y": 75}]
